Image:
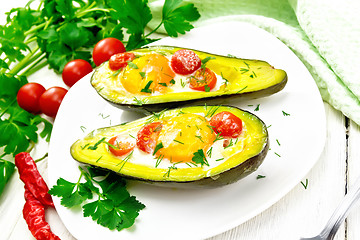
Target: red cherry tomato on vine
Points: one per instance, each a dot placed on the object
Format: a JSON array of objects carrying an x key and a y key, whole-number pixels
[
  {"x": 75, "y": 70},
  {"x": 227, "y": 124},
  {"x": 51, "y": 99},
  {"x": 203, "y": 80},
  {"x": 185, "y": 62},
  {"x": 120, "y": 60},
  {"x": 123, "y": 145},
  {"x": 147, "y": 137},
  {"x": 105, "y": 48},
  {"x": 28, "y": 97}
]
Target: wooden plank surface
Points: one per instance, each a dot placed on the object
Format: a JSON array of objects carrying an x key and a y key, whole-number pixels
[
  {"x": 353, "y": 221},
  {"x": 302, "y": 212}
]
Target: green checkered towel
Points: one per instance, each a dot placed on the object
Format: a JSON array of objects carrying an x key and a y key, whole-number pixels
[{"x": 325, "y": 35}]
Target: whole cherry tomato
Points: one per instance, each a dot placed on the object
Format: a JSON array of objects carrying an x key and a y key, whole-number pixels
[
  {"x": 226, "y": 124},
  {"x": 28, "y": 97},
  {"x": 185, "y": 62},
  {"x": 51, "y": 99},
  {"x": 147, "y": 137},
  {"x": 120, "y": 60},
  {"x": 123, "y": 145},
  {"x": 75, "y": 70},
  {"x": 203, "y": 80},
  {"x": 105, "y": 48}
]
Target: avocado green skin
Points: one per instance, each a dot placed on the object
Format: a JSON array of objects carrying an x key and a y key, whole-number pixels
[
  {"x": 225, "y": 177},
  {"x": 225, "y": 98}
]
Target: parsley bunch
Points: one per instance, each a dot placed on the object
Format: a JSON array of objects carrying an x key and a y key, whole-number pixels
[
  {"x": 113, "y": 206},
  {"x": 56, "y": 32}
]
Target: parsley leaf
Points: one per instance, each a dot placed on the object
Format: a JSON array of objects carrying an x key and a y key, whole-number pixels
[
  {"x": 113, "y": 208},
  {"x": 73, "y": 194},
  {"x": 177, "y": 17}
]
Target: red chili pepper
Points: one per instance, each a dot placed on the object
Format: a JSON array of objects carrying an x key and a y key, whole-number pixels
[
  {"x": 34, "y": 182},
  {"x": 34, "y": 215}
]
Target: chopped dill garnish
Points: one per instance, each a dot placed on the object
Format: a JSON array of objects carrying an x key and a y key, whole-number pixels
[
  {"x": 179, "y": 141},
  {"x": 155, "y": 116},
  {"x": 167, "y": 174},
  {"x": 83, "y": 147},
  {"x": 226, "y": 81},
  {"x": 218, "y": 137},
  {"x": 212, "y": 111},
  {"x": 257, "y": 107},
  {"x": 242, "y": 89},
  {"x": 158, "y": 160},
  {"x": 247, "y": 65},
  {"x": 102, "y": 115},
  {"x": 95, "y": 146},
  {"x": 305, "y": 185},
  {"x": 285, "y": 113},
  {"x": 230, "y": 144},
  {"x": 211, "y": 128},
  {"x": 125, "y": 160},
  {"x": 199, "y": 137},
  {"x": 138, "y": 101},
  {"x": 182, "y": 83},
  {"x": 209, "y": 152}
]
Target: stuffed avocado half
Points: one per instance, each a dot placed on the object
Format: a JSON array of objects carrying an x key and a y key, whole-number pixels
[
  {"x": 198, "y": 146},
  {"x": 158, "y": 77}
]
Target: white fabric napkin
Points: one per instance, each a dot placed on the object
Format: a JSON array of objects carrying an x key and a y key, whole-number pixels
[{"x": 325, "y": 35}]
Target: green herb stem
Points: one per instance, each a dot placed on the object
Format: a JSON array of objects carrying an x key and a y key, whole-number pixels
[
  {"x": 80, "y": 14},
  {"x": 7, "y": 108},
  {"x": 28, "y": 59},
  {"x": 35, "y": 67},
  {"x": 155, "y": 29}
]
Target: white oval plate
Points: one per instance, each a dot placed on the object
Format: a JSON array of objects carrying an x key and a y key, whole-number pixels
[{"x": 296, "y": 141}]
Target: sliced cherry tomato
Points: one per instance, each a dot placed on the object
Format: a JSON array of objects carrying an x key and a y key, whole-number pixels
[
  {"x": 120, "y": 60},
  {"x": 28, "y": 97},
  {"x": 185, "y": 62},
  {"x": 123, "y": 145},
  {"x": 51, "y": 99},
  {"x": 147, "y": 137},
  {"x": 203, "y": 80},
  {"x": 227, "y": 124},
  {"x": 105, "y": 48},
  {"x": 75, "y": 70}
]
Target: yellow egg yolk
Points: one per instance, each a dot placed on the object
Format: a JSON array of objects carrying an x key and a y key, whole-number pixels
[
  {"x": 184, "y": 135},
  {"x": 136, "y": 76}
]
